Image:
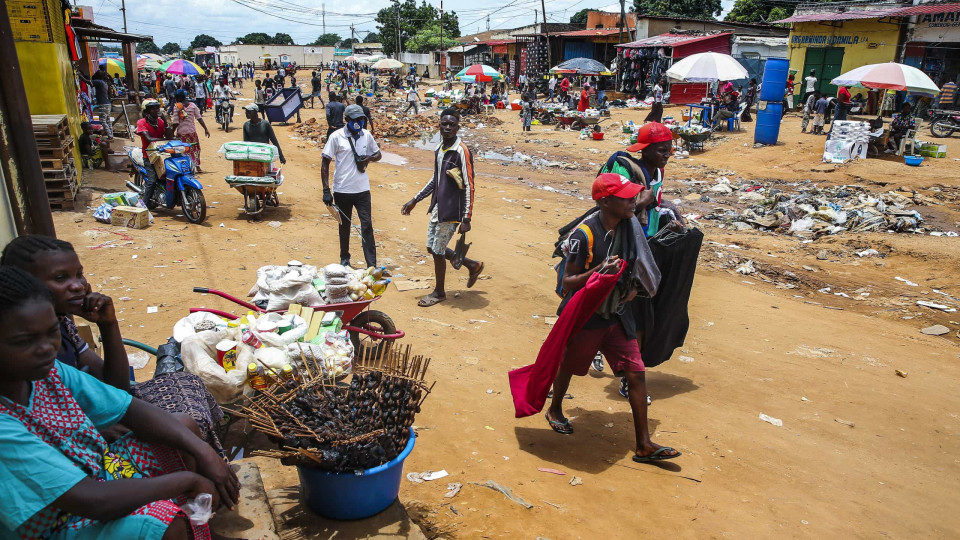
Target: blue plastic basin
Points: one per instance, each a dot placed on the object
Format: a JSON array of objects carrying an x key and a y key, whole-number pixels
[
  {"x": 913, "y": 160},
  {"x": 347, "y": 496}
]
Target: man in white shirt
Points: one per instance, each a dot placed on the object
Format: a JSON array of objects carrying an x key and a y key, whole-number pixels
[
  {"x": 352, "y": 148},
  {"x": 811, "y": 85},
  {"x": 221, "y": 96},
  {"x": 413, "y": 100},
  {"x": 552, "y": 84}
]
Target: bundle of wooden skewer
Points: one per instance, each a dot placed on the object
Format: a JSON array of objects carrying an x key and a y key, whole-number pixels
[{"x": 319, "y": 422}]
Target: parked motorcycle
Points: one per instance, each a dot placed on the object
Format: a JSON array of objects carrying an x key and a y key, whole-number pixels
[
  {"x": 944, "y": 123},
  {"x": 177, "y": 187},
  {"x": 225, "y": 113}
]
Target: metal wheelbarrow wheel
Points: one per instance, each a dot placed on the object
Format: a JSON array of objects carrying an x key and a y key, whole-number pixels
[{"x": 373, "y": 321}]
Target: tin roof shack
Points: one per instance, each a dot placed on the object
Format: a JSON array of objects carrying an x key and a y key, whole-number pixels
[
  {"x": 833, "y": 39},
  {"x": 932, "y": 42},
  {"x": 643, "y": 62},
  {"x": 650, "y": 25}
]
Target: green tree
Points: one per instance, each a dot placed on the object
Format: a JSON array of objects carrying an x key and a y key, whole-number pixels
[
  {"x": 348, "y": 42},
  {"x": 170, "y": 48},
  {"x": 757, "y": 11},
  {"x": 689, "y": 9},
  {"x": 428, "y": 39},
  {"x": 326, "y": 40},
  {"x": 580, "y": 18},
  {"x": 254, "y": 38},
  {"x": 203, "y": 40},
  {"x": 372, "y": 37},
  {"x": 412, "y": 18},
  {"x": 147, "y": 47},
  {"x": 281, "y": 39}
]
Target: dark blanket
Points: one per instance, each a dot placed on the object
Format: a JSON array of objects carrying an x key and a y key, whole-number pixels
[{"x": 663, "y": 319}]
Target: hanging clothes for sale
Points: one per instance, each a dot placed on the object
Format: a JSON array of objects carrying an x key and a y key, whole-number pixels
[{"x": 664, "y": 319}]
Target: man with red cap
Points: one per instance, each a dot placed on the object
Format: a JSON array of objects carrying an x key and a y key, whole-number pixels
[{"x": 601, "y": 244}]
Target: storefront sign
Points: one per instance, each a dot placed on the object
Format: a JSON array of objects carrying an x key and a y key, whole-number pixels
[
  {"x": 342, "y": 52},
  {"x": 938, "y": 27},
  {"x": 828, "y": 40}
]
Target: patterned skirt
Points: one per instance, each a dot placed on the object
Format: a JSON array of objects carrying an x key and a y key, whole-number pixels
[
  {"x": 194, "y": 151},
  {"x": 184, "y": 393},
  {"x": 129, "y": 457}
]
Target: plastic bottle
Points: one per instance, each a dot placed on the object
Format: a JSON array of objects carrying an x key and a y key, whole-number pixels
[
  {"x": 378, "y": 273},
  {"x": 251, "y": 339},
  {"x": 289, "y": 377},
  {"x": 380, "y": 286},
  {"x": 255, "y": 377}
]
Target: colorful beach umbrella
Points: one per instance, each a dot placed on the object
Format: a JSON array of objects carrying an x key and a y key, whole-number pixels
[
  {"x": 147, "y": 63},
  {"x": 581, "y": 66},
  {"x": 113, "y": 66},
  {"x": 478, "y": 73},
  {"x": 891, "y": 76},
  {"x": 707, "y": 67},
  {"x": 387, "y": 63},
  {"x": 181, "y": 67}
]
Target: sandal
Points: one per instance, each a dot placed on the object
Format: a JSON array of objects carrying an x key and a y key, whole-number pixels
[
  {"x": 657, "y": 455},
  {"x": 430, "y": 300},
  {"x": 563, "y": 428},
  {"x": 474, "y": 276}
]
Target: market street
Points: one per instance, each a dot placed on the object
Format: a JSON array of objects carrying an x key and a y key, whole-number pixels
[{"x": 856, "y": 441}]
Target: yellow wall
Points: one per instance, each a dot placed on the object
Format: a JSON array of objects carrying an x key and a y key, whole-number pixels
[
  {"x": 865, "y": 41},
  {"x": 48, "y": 79}
]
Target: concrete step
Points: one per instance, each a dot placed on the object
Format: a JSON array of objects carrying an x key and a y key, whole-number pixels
[{"x": 252, "y": 519}]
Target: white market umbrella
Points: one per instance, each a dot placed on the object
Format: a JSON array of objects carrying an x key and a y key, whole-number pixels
[
  {"x": 891, "y": 76},
  {"x": 387, "y": 63},
  {"x": 707, "y": 67}
]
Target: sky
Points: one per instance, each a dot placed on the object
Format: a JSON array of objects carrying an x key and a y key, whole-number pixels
[{"x": 180, "y": 20}]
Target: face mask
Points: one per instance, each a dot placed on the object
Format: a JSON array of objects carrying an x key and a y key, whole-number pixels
[{"x": 356, "y": 126}]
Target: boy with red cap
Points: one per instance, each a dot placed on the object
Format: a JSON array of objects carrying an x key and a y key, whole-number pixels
[{"x": 600, "y": 244}]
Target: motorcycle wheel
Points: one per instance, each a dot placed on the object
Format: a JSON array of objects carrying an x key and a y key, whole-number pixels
[
  {"x": 941, "y": 127},
  {"x": 193, "y": 204}
]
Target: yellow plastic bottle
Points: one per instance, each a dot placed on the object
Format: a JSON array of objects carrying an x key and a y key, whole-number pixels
[
  {"x": 380, "y": 286},
  {"x": 255, "y": 377}
]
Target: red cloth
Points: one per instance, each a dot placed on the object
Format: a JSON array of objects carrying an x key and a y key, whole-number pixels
[
  {"x": 530, "y": 384},
  {"x": 843, "y": 95},
  {"x": 584, "y": 102},
  {"x": 565, "y": 84},
  {"x": 156, "y": 132}
]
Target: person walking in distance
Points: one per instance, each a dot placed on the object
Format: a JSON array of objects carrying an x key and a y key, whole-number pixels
[
  {"x": 452, "y": 191},
  {"x": 413, "y": 100},
  {"x": 810, "y": 85},
  {"x": 334, "y": 112},
  {"x": 352, "y": 148}
]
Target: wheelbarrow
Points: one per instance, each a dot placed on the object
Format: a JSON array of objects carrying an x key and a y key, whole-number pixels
[{"x": 257, "y": 191}]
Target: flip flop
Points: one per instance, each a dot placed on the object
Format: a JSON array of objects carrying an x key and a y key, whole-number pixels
[
  {"x": 474, "y": 276},
  {"x": 656, "y": 455},
  {"x": 428, "y": 301},
  {"x": 563, "y": 428}
]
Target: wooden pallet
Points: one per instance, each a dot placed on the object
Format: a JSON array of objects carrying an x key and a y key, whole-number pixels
[
  {"x": 50, "y": 124},
  {"x": 52, "y": 152},
  {"x": 59, "y": 194},
  {"x": 61, "y": 204},
  {"x": 52, "y": 164}
]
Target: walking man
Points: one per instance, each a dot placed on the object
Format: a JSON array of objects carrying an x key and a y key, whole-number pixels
[
  {"x": 413, "y": 100},
  {"x": 597, "y": 246},
  {"x": 352, "y": 148},
  {"x": 810, "y": 87},
  {"x": 451, "y": 205},
  {"x": 334, "y": 112}
]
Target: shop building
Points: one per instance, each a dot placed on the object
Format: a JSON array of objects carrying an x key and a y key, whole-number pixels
[
  {"x": 643, "y": 62},
  {"x": 932, "y": 42},
  {"x": 262, "y": 55}
]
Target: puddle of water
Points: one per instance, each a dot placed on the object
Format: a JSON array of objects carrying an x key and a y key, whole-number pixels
[
  {"x": 426, "y": 142},
  {"x": 392, "y": 159}
]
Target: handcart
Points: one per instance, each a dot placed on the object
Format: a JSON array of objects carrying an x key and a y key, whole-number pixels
[{"x": 255, "y": 175}]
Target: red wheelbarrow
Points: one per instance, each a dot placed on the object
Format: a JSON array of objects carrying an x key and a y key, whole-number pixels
[{"x": 367, "y": 327}]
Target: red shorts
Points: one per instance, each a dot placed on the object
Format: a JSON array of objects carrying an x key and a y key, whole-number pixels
[{"x": 622, "y": 354}]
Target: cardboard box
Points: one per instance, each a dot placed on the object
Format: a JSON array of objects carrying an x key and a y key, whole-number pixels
[
  {"x": 128, "y": 216},
  {"x": 250, "y": 168}
]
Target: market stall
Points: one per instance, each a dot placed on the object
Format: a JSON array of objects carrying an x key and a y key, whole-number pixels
[{"x": 642, "y": 63}]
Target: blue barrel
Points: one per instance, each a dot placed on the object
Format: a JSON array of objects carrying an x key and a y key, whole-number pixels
[
  {"x": 345, "y": 496},
  {"x": 774, "y": 79},
  {"x": 768, "y": 123}
]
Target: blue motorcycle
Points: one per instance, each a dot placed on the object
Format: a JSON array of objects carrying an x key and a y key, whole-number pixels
[{"x": 178, "y": 186}]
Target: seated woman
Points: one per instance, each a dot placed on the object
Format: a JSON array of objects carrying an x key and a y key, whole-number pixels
[
  {"x": 60, "y": 478},
  {"x": 901, "y": 124},
  {"x": 55, "y": 263}
]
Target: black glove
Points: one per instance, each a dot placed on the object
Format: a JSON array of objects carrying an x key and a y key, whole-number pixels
[{"x": 327, "y": 197}]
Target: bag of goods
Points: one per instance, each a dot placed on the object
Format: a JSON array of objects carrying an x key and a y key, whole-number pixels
[
  {"x": 276, "y": 330},
  {"x": 249, "y": 151},
  {"x": 199, "y": 354},
  {"x": 281, "y": 286},
  {"x": 196, "y": 322},
  {"x": 333, "y": 355}
]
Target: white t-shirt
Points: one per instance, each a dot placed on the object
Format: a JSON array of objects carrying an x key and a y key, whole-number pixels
[
  {"x": 412, "y": 95},
  {"x": 346, "y": 177},
  {"x": 552, "y": 83},
  {"x": 811, "y": 83}
]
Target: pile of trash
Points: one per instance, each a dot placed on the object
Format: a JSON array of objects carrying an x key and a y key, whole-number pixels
[
  {"x": 386, "y": 125},
  {"x": 814, "y": 211}
]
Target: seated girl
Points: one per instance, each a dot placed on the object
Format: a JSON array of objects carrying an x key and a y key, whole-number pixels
[
  {"x": 60, "y": 478},
  {"x": 55, "y": 263}
]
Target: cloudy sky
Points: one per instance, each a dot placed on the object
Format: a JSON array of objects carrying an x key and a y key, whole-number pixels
[{"x": 180, "y": 20}]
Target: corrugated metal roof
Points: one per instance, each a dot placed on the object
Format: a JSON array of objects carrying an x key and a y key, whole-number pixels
[
  {"x": 841, "y": 15},
  {"x": 597, "y": 32},
  {"x": 929, "y": 8},
  {"x": 669, "y": 40}
]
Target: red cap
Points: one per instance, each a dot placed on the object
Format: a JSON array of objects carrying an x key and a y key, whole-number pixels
[
  {"x": 614, "y": 185},
  {"x": 651, "y": 132}
]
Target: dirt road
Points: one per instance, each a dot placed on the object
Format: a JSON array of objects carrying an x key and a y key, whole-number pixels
[{"x": 862, "y": 453}]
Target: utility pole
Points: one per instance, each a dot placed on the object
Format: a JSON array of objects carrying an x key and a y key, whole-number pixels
[
  {"x": 351, "y": 32},
  {"x": 123, "y": 9},
  {"x": 323, "y": 16},
  {"x": 535, "y": 15},
  {"x": 440, "y": 71},
  {"x": 398, "y": 29},
  {"x": 546, "y": 32},
  {"x": 488, "y": 23},
  {"x": 623, "y": 18}
]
